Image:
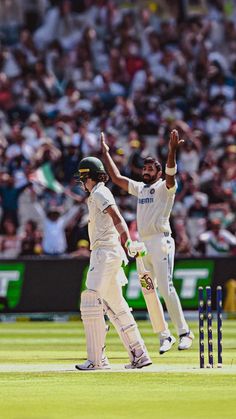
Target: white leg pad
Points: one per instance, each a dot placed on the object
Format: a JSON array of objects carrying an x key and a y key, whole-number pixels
[
  {"x": 91, "y": 308},
  {"x": 128, "y": 331}
]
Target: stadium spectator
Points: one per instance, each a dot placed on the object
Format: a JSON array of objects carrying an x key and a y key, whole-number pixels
[
  {"x": 198, "y": 209},
  {"x": 189, "y": 158},
  {"x": 54, "y": 225},
  {"x": 182, "y": 241},
  {"x": 71, "y": 69},
  {"x": 9, "y": 198},
  {"x": 31, "y": 240},
  {"x": 10, "y": 241},
  {"x": 217, "y": 241},
  {"x": 82, "y": 250}
]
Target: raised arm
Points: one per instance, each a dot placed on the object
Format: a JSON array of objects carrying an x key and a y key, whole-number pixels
[
  {"x": 113, "y": 171},
  {"x": 171, "y": 167},
  {"x": 40, "y": 211},
  {"x": 70, "y": 214}
]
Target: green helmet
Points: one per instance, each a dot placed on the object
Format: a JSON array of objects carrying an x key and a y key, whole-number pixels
[{"x": 90, "y": 167}]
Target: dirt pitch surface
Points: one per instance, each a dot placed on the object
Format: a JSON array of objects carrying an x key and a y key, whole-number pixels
[{"x": 117, "y": 368}]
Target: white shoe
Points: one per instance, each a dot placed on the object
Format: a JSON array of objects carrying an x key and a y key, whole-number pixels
[
  {"x": 90, "y": 366},
  {"x": 106, "y": 363},
  {"x": 166, "y": 344},
  {"x": 186, "y": 341},
  {"x": 139, "y": 362}
]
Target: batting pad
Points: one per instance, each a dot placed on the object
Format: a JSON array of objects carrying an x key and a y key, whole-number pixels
[
  {"x": 91, "y": 308},
  {"x": 128, "y": 331}
]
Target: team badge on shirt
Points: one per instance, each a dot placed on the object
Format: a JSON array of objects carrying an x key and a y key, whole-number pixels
[{"x": 152, "y": 191}]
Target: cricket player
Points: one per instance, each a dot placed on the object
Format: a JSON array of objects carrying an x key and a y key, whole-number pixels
[
  {"x": 107, "y": 229},
  {"x": 154, "y": 204}
]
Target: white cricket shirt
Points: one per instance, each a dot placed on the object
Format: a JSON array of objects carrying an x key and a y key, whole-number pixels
[
  {"x": 54, "y": 238},
  {"x": 101, "y": 229},
  {"x": 153, "y": 207}
]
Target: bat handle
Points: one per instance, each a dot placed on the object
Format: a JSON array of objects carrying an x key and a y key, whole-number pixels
[{"x": 140, "y": 264}]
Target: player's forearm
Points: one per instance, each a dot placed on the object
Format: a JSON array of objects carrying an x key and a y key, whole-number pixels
[
  {"x": 40, "y": 211},
  {"x": 171, "y": 168},
  {"x": 116, "y": 177},
  {"x": 123, "y": 230},
  {"x": 111, "y": 167},
  {"x": 119, "y": 223},
  {"x": 171, "y": 158},
  {"x": 68, "y": 217}
]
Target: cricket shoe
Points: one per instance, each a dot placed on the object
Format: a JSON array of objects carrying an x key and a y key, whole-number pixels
[
  {"x": 106, "y": 363},
  {"x": 186, "y": 341},
  {"x": 139, "y": 362},
  {"x": 166, "y": 344},
  {"x": 90, "y": 366}
]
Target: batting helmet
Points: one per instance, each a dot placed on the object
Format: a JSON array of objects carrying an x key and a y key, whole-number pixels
[{"x": 90, "y": 167}]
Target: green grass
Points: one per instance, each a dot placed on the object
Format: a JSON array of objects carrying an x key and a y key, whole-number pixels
[{"x": 38, "y": 379}]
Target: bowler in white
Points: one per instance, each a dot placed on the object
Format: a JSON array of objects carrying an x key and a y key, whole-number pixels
[{"x": 155, "y": 198}]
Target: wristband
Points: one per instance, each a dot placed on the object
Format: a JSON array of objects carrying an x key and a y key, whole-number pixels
[{"x": 171, "y": 171}]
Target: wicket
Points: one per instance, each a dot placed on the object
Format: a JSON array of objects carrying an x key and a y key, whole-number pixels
[{"x": 202, "y": 310}]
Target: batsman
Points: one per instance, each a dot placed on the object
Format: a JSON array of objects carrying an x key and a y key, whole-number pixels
[
  {"x": 155, "y": 198},
  {"x": 107, "y": 230}
]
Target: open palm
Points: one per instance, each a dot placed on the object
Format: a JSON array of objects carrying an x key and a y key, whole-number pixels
[
  {"x": 175, "y": 142},
  {"x": 105, "y": 147}
]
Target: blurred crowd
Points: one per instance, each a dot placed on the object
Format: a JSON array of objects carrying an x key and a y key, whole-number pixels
[{"x": 70, "y": 69}]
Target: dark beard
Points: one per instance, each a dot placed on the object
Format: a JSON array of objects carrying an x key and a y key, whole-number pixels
[{"x": 149, "y": 180}]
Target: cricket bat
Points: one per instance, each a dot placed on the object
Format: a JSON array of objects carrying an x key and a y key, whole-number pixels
[{"x": 155, "y": 309}]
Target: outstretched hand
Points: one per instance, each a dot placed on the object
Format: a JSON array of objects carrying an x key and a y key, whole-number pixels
[
  {"x": 174, "y": 142},
  {"x": 105, "y": 147}
]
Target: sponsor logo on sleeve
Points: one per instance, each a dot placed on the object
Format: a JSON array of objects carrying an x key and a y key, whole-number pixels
[{"x": 105, "y": 203}]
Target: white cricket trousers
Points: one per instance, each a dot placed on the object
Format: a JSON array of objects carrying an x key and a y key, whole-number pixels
[
  {"x": 105, "y": 276},
  {"x": 160, "y": 262}
]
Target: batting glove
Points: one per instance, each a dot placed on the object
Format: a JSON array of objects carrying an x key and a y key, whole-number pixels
[{"x": 135, "y": 248}]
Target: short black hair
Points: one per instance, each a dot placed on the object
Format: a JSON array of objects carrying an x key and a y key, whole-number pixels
[{"x": 151, "y": 160}]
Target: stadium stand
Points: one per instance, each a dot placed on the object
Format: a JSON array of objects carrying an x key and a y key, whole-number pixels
[{"x": 136, "y": 70}]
